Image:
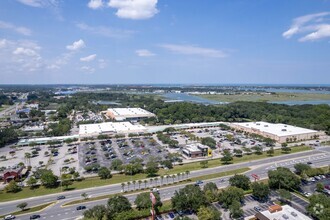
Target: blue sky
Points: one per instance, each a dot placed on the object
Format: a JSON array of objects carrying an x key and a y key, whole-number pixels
[{"x": 165, "y": 41}]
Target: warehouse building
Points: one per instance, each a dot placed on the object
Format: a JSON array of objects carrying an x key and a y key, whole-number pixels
[
  {"x": 109, "y": 128},
  {"x": 131, "y": 114},
  {"x": 281, "y": 133}
]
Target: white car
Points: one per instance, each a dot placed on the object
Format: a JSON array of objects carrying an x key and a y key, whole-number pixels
[{"x": 9, "y": 217}]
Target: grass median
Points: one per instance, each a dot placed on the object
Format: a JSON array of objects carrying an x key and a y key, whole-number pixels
[
  {"x": 30, "y": 210},
  {"x": 186, "y": 181},
  {"x": 216, "y": 162},
  {"x": 120, "y": 178}
]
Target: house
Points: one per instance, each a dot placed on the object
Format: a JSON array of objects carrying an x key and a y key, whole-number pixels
[{"x": 13, "y": 174}]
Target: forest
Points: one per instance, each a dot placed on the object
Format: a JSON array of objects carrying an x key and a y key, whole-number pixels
[{"x": 309, "y": 116}]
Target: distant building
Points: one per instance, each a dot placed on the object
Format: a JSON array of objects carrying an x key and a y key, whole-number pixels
[
  {"x": 33, "y": 128},
  {"x": 131, "y": 114},
  {"x": 109, "y": 128},
  {"x": 280, "y": 212},
  {"x": 195, "y": 150},
  {"x": 279, "y": 132}
]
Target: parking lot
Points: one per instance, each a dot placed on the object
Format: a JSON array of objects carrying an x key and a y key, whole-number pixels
[
  {"x": 309, "y": 187},
  {"x": 53, "y": 157},
  {"x": 225, "y": 140},
  {"x": 126, "y": 149}
]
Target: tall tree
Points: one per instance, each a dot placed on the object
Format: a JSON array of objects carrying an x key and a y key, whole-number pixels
[
  {"x": 97, "y": 212},
  {"x": 208, "y": 213},
  {"x": 240, "y": 181},
  {"x": 189, "y": 197},
  {"x": 104, "y": 173},
  {"x": 260, "y": 190},
  {"x": 226, "y": 157},
  {"x": 117, "y": 204},
  {"x": 229, "y": 195},
  {"x": 282, "y": 177},
  {"x": 142, "y": 201}
]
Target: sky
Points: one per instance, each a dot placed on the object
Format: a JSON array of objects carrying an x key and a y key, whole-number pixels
[{"x": 164, "y": 41}]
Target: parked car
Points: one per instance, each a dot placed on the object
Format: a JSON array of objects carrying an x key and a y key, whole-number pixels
[
  {"x": 81, "y": 207},
  {"x": 257, "y": 208},
  {"x": 60, "y": 197},
  {"x": 9, "y": 217},
  {"x": 171, "y": 214},
  {"x": 35, "y": 216}
]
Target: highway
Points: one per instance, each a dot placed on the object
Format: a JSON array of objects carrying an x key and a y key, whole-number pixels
[{"x": 319, "y": 157}]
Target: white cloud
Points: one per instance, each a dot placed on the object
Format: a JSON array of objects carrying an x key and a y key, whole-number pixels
[
  {"x": 95, "y": 4},
  {"x": 320, "y": 31},
  {"x": 20, "y": 56},
  {"x": 32, "y": 3},
  {"x": 134, "y": 9},
  {"x": 144, "y": 53},
  {"x": 39, "y": 3},
  {"x": 87, "y": 69},
  {"x": 105, "y": 31},
  {"x": 194, "y": 50},
  {"x": 21, "y": 30},
  {"x": 3, "y": 43},
  {"x": 25, "y": 51},
  {"x": 76, "y": 45},
  {"x": 311, "y": 26},
  {"x": 88, "y": 58}
]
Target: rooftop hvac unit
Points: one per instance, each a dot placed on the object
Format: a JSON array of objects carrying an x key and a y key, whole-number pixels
[{"x": 283, "y": 129}]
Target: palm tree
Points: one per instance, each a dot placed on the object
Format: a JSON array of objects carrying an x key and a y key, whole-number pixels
[
  {"x": 123, "y": 186},
  {"x": 167, "y": 177},
  {"x": 187, "y": 173},
  {"x": 161, "y": 180},
  {"x": 145, "y": 183},
  {"x": 139, "y": 182},
  {"x": 27, "y": 157},
  {"x": 178, "y": 175},
  {"x": 134, "y": 182},
  {"x": 173, "y": 177},
  {"x": 151, "y": 181},
  {"x": 128, "y": 184},
  {"x": 156, "y": 180}
]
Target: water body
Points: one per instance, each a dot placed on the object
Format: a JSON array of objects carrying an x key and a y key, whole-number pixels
[
  {"x": 183, "y": 97},
  {"x": 65, "y": 92},
  {"x": 106, "y": 103},
  {"x": 309, "y": 102},
  {"x": 298, "y": 91},
  {"x": 190, "y": 98}
]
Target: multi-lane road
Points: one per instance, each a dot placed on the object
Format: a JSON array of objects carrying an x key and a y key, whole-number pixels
[{"x": 318, "y": 157}]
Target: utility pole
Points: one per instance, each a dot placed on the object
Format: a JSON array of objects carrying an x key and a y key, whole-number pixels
[{"x": 153, "y": 202}]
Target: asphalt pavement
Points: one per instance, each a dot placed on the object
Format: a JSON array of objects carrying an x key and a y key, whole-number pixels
[{"x": 259, "y": 167}]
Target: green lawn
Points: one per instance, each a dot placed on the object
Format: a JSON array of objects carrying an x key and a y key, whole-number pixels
[
  {"x": 216, "y": 162},
  {"x": 119, "y": 178},
  {"x": 30, "y": 210}
]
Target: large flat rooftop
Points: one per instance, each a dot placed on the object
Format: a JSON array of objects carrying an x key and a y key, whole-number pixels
[
  {"x": 110, "y": 127},
  {"x": 276, "y": 129},
  {"x": 124, "y": 113}
]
